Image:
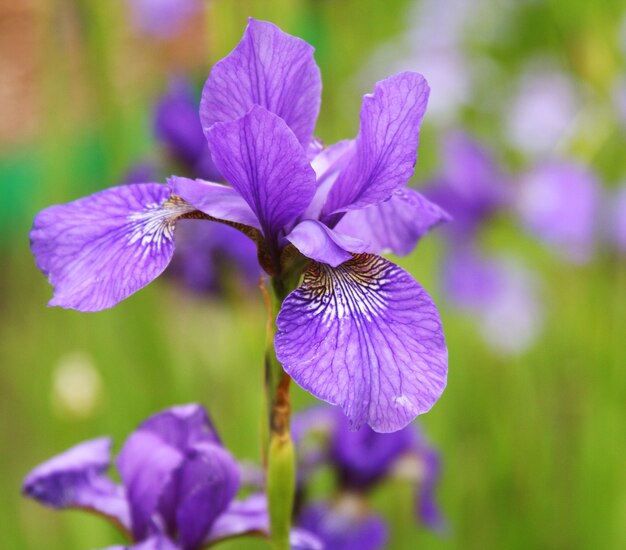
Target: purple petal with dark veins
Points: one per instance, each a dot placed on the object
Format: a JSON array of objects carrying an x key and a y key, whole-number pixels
[
  {"x": 344, "y": 529},
  {"x": 320, "y": 243},
  {"x": 386, "y": 147},
  {"x": 76, "y": 479},
  {"x": 215, "y": 199},
  {"x": 394, "y": 225},
  {"x": 98, "y": 250},
  {"x": 198, "y": 492},
  {"x": 268, "y": 68},
  {"x": 367, "y": 337},
  {"x": 262, "y": 159}
]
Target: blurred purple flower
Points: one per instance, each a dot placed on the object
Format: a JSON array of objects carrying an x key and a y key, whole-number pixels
[
  {"x": 177, "y": 127},
  {"x": 470, "y": 186},
  {"x": 558, "y": 203},
  {"x": 207, "y": 255},
  {"x": 364, "y": 458},
  {"x": 501, "y": 295},
  {"x": 178, "y": 484},
  {"x": 343, "y": 526},
  {"x": 162, "y": 18},
  {"x": 359, "y": 332},
  {"x": 543, "y": 111}
]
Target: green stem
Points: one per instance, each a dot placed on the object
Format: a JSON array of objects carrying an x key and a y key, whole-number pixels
[{"x": 278, "y": 447}]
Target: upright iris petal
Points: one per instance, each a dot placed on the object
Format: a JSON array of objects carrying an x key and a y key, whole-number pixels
[
  {"x": 100, "y": 249},
  {"x": 269, "y": 68},
  {"x": 261, "y": 158},
  {"x": 367, "y": 337},
  {"x": 386, "y": 147}
]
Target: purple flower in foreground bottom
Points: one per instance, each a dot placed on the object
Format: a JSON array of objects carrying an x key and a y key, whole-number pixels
[
  {"x": 178, "y": 484},
  {"x": 360, "y": 332}
]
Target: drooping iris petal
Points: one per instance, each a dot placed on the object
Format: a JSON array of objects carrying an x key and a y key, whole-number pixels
[
  {"x": 268, "y": 68},
  {"x": 98, "y": 250},
  {"x": 320, "y": 243},
  {"x": 364, "y": 456},
  {"x": 215, "y": 199},
  {"x": 558, "y": 203},
  {"x": 386, "y": 147},
  {"x": 367, "y": 337},
  {"x": 262, "y": 159},
  {"x": 76, "y": 479},
  {"x": 342, "y": 528},
  {"x": 199, "y": 491},
  {"x": 394, "y": 225}
]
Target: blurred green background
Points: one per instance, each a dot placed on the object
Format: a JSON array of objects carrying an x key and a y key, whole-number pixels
[{"x": 533, "y": 444}]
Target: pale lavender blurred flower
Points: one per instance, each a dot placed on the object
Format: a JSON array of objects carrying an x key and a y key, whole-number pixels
[
  {"x": 101, "y": 249},
  {"x": 558, "y": 203},
  {"x": 501, "y": 295},
  {"x": 543, "y": 110},
  {"x": 162, "y": 18},
  {"x": 618, "y": 225},
  {"x": 178, "y": 484}
]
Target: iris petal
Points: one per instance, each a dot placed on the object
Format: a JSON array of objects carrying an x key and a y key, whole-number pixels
[
  {"x": 268, "y": 68},
  {"x": 322, "y": 244},
  {"x": 386, "y": 147},
  {"x": 98, "y": 250},
  {"x": 367, "y": 337},
  {"x": 261, "y": 158},
  {"x": 76, "y": 479},
  {"x": 395, "y": 225}
]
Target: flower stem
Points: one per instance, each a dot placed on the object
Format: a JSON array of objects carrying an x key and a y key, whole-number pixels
[{"x": 278, "y": 447}]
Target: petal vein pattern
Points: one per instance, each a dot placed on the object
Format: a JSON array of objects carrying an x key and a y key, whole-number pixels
[
  {"x": 367, "y": 337},
  {"x": 98, "y": 250}
]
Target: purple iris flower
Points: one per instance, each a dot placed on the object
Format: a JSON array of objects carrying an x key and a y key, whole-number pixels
[
  {"x": 364, "y": 458},
  {"x": 162, "y": 18},
  {"x": 470, "y": 185},
  {"x": 558, "y": 202},
  {"x": 359, "y": 332},
  {"x": 178, "y": 484}
]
